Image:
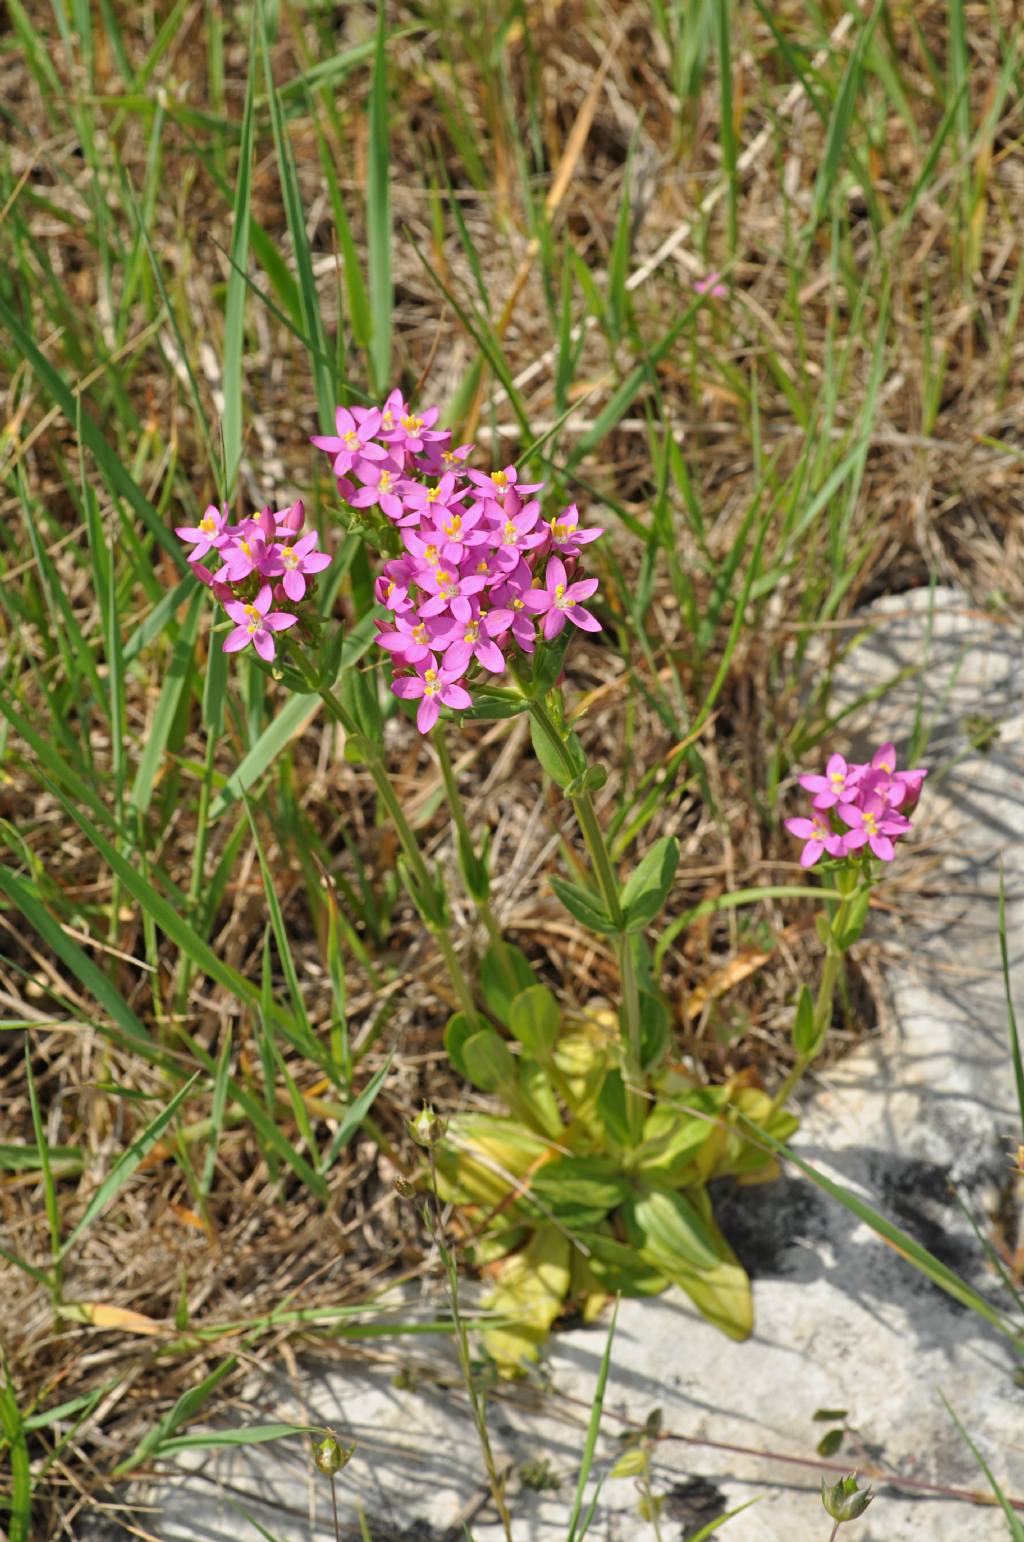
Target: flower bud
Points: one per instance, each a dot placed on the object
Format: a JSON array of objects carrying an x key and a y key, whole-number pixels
[
  {"x": 427, "y": 1128},
  {"x": 330, "y": 1457},
  {"x": 293, "y": 517},
  {"x": 844, "y": 1501},
  {"x": 403, "y": 1188}
]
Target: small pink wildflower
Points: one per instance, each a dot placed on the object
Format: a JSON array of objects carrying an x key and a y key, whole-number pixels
[
  {"x": 434, "y": 686},
  {"x": 295, "y": 562},
  {"x": 559, "y": 601},
  {"x": 256, "y": 623},
  {"x": 873, "y": 824},
  {"x": 838, "y": 785},
  {"x": 820, "y": 838},
  {"x": 211, "y": 531}
]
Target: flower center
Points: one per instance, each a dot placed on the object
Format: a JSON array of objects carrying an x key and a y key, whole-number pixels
[
  {"x": 499, "y": 478},
  {"x": 432, "y": 555},
  {"x": 870, "y": 824},
  {"x": 419, "y": 632},
  {"x": 385, "y": 481},
  {"x": 208, "y": 524},
  {"x": 289, "y": 558},
  {"x": 411, "y": 423},
  {"x": 471, "y": 633},
  {"x": 351, "y": 438},
  {"x": 510, "y": 534},
  {"x": 559, "y": 532},
  {"x": 433, "y": 493},
  {"x": 453, "y": 527},
  {"x": 837, "y": 778}
]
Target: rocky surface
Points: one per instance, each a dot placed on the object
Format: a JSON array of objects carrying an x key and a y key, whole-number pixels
[{"x": 843, "y": 1323}]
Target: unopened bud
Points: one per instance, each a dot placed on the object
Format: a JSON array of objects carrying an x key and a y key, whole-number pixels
[
  {"x": 844, "y": 1501},
  {"x": 403, "y": 1188},
  {"x": 330, "y": 1456},
  {"x": 427, "y": 1128},
  {"x": 293, "y": 517}
]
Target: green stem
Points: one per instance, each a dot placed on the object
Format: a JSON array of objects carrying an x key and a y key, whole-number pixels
[
  {"x": 425, "y": 884},
  {"x": 458, "y": 813},
  {"x": 593, "y": 835},
  {"x": 822, "y": 1009}
]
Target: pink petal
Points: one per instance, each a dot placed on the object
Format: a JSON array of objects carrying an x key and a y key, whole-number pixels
[
  {"x": 554, "y": 621},
  {"x": 408, "y": 687},
  {"x": 555, "y": 574},
  {"x": 280, "y": 620},
  {"x": 882, "y": 847},
  {"x": 427, "y": 714},
  {"x": 453, "y": 695},
  {"x": 263, "y": 642},
  {"x": 294, "y": 584},
  {"x": 236, "y": 639},
  {"x": 583, "y": 619},
  {"x": 811, "y": 852},
  {"x": 803, "y": 829}
]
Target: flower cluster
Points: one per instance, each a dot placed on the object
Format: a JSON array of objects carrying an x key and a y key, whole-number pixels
[
  {"x": 264, "y": 562},
  {"x": 870, "y": 801},
  {"x": 479, "y": 565}
]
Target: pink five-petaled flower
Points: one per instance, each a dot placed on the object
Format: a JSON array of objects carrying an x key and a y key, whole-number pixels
[
  {"x": 472, "y": 639},
  {"x": 254, "y": 624},
  {"x": 249, "y": 549},
  {"x": 295, "y": 562},
  {"x": 435, "y": 686},
  {"x": 873, "y": 824},
  {"x": 559, "y": 601},
  {"x": 820, "y": 837},
  {"x": 838, "y": 785},
  {"x": 212, "y": 530},
  {"x": 566, "y": 536},
  {"x": 354, "y": 439}
]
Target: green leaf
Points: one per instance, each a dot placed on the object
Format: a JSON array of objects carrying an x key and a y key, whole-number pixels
[
  {"x": 672, "y": 1136},
  {"x": 668, "y": 1231},
  {"x": 548, "y": 662},
  {"x": 586, "y": 906},
  {"x": 561, "y": 765},
  {"x": 655, "y": 1030},
  {"x": 459, "y": 1028},
  {"x": 580, "y": 1191},
  {"x": 13, "y": 1426},
  {"x": 803, "y": 1023},
  {"x": 856, "y": 919},
  {"x": 534, "y": 1019},
  {"x": 531, "y": 1290},
  {"x": 646, "y": 891},
  {"x": 504, "y": 973},
  {"x": 488, "y": 1061},
  {"x": 612, "y": 1107},
  {"x": 830, "y": 1442}
]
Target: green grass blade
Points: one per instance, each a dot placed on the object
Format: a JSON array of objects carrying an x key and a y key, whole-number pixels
[
  {"x": 25, "y": 897},
  {"x": 1011, "y": 1015},
  {"x": 378, "y": 213},
  {"x": 590, "y": 1444},
  {"x": 355, "y": 1115},
  {"x": 19, "y": 1507},
  {"x": 1013, "y": 1520},
  {"x": 127, "y": 1162},
  {"x": 177, "y": 677},
  {"x": 234, "y": 314}
]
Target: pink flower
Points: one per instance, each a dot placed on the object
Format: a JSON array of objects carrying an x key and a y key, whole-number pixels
[
  {"x": 354, "y": 439},
  {"x": 411, "y": 642},
  {"x": 820, "y": 838},
  {"x": 254, "y": 624},
  {"x": 211, "y": 531},
  {"x": 381, "y": 484},
  {"x": 473, "y": 639},
  {"x": 873, "y": 824},
  {"x": 434, "y": 686},
  {"x": 250, "y": 549},
  {"x": 289, "y": 521},
  {"x": 566, "y": 536},
  {"x": 838, "y": 785},
  {"x": 711, "y": 284},
  {"x": 295, "y": 562},
  {"x": 558, "y": 601}
]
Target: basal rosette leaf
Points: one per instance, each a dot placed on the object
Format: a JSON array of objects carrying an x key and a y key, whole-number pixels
[{"x": 530, "y": 1292}]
